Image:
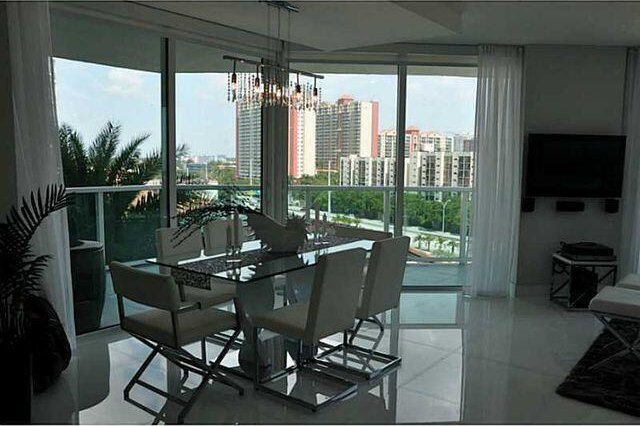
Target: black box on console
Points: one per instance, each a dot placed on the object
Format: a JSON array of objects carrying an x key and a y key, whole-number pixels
[{"x": 586, "y": 249}]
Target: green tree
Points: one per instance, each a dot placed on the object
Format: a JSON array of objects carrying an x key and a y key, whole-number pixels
[
  {"x": 454, "y": 245},
  {"x": 429, "y": 239},
  {"x": 105, "y": 162},
  {"x": 130, "y": 217}
]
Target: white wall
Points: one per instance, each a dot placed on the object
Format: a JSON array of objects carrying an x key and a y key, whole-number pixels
[{"x": 568, "y": 89}]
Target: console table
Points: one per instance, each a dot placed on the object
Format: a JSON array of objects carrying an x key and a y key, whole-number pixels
[{"x": 575, "y": 282}]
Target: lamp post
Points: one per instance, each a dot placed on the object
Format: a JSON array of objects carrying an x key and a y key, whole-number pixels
[
  {"x": 444, "y": 206},
  {"x": 329, "y": 191}
]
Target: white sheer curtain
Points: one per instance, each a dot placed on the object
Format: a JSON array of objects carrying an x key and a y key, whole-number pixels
[
  {"x": 498, "y": 136},
  {"x": 630, "y": 232},
  {"x": 38, "y": 158}
]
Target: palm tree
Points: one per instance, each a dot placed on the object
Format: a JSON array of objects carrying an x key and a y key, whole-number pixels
[
  {"x": 106, "y": 161},
  {"x": 429, "y": 239},
  {"x": 103, "y": 163},
  {"x": 454, "y": 245}
]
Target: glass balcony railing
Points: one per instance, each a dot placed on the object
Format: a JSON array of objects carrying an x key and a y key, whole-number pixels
[
  {"x": 124, "y": 218},
  {"x": 437, "y": 219}
]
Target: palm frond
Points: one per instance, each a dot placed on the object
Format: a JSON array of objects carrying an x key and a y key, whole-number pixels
[
  {"x": 126, "y": 160},
  {"x": 75, "y": 162},
  {"x": 103, "y": 149},
  {"x": 148, "y": 168},
  {"x": 182, "y": 151},
  {"x": 20, "y": 269},
  {"x": 192, "y": 219},
  {"x": 145, "y": 201}
]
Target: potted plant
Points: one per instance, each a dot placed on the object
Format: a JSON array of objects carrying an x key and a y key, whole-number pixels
[{"x": 20, "y": 279}]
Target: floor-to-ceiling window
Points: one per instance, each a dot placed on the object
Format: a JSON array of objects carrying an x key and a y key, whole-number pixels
[
  {"x": 108, "y": 95},
  {"x": 439, "y": 173},
  {"x": 114, "y": 133},
  {"x": 339, "y": 157},
  {"x": 218, "y": 141},
  {"x": 342, "y": 154}
]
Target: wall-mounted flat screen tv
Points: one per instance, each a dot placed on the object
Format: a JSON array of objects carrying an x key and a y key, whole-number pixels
[{"x": 589, "y": 166}]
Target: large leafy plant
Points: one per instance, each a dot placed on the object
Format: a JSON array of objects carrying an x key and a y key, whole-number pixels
[
  {"x": 197, "y": 212},
  {"x": 21, "y": 271}
]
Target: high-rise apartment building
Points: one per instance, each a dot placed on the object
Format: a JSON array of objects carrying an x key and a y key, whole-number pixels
[
  {"x": 468, "y": 144},
  {"x": 302, "y": 142},
  {"x": 367, "y": 171},
  {"x": 248, "y": 141},
  {"x": 437, "y": 169},
  {"x": 387, "y": 142},
  {"x": 344, "y": 128},
  {"x": 436, "y": 142}
]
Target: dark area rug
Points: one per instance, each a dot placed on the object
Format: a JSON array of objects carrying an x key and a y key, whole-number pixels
[{"x": 614, "y": 385}]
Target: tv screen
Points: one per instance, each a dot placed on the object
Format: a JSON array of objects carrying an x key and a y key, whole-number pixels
[{"x": 589, "y": 166}]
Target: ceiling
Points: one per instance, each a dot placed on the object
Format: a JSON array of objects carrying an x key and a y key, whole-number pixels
[{"x": 341, "y": 25}]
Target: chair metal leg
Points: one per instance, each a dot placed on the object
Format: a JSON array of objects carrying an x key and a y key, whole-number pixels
[
  {"x": 215, "y": 365},
  {"x": 364, "y": 355},
  {"x": 194, "y": 396},
  {"x": 141, "y": 370},
  {"x": 300, "y": 364},
  {"x": 630, "y": 347},
  {"x": 355, "y": 331},
  {"x": 188, "y": 363},
  {"x": 203, "y": 348},
  {"x": 374, "y": 319}
]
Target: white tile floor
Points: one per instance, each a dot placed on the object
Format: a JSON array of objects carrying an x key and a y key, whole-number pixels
[{"x": 499, "y": 363}]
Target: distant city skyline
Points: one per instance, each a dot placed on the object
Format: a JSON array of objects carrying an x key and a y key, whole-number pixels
[{"x": 88, "y": 95}]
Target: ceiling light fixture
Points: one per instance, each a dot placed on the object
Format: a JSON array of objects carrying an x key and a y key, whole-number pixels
[{"x": 272, "y": 90}]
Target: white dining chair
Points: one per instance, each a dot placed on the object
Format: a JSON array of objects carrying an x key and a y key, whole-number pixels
[
  {"x": 381, "y": 292},
  {"x": 215, "y": 235},
  {"x": 172, "y": 247},
  {"x": 330, "y": 310},
  {"x": 166, "y": 327}
]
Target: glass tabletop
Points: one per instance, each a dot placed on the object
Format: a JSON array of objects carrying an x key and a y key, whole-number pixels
[{"x": 256, "y": 262}]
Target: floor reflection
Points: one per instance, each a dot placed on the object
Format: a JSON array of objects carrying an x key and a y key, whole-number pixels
[
  {"x": 485, "y": 361},
  {"x": 427, "y": 385}
]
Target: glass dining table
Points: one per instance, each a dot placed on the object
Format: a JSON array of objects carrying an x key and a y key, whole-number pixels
[{"x": 264, "y": 281}]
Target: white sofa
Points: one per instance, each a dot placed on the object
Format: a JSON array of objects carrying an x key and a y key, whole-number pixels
[{"x": 631, "y": 281}]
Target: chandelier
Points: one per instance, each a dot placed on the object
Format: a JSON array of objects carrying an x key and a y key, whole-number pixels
[{"x": 268, "y": 86}]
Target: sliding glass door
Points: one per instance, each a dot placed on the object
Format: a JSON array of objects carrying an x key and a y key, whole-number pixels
[
  {"x": 337, "y": 161},
  {"x": 439, "y": 173}
]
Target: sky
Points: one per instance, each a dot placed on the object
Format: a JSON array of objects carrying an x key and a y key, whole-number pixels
[{"x": 89, "y": 95}]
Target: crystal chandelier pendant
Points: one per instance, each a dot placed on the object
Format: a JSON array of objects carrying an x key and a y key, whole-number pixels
[{"x": 270, "y": 85}]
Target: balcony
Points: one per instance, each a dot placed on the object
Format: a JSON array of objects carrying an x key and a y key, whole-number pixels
[{"x": 437, "y": 220}]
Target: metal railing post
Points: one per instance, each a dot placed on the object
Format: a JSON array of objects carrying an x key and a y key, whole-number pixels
[
  {"x": 307, "y": 203},
  {"x": 100, "y": 231},
  {"x": 464, "y": 209},
  {"x": 386, "y": 209}
]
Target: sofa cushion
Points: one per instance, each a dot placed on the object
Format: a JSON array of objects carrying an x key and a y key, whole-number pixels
[
  {"x": 617, "y": 301},
  {"x": 631, "y": 281}
]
